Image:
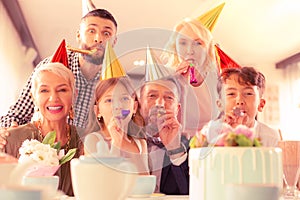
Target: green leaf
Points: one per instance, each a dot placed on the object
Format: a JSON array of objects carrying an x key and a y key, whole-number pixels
[
  {"x": 243, "y": 141},
  {"x": 256, "y": 142},
  {"x": 192, "y": 143},
  {"x": 56, "y": 146},
  {"x": 50, "y": 138},
  {"x": 68, "y": 156}
]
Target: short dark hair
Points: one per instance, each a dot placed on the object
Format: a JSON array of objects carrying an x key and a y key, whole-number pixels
[
  {"x": 246, "y": 76},
  {"x": 102, "y": 13}
]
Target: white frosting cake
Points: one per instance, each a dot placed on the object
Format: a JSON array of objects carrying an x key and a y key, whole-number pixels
[{"x": 212, "y": 168}]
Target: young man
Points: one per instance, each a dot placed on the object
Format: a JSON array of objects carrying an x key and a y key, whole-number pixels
[
  {"x": 167, "y": 147},
  {"x": 96, "y": 27}
]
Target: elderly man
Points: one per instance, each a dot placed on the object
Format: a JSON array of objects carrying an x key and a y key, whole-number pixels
[{"x": 167, "y": 147}]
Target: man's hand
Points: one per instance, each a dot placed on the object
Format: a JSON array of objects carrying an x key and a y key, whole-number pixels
[{"x": 169, "y": 130}]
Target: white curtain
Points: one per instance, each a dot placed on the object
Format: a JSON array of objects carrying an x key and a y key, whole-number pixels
[
  {"x": 290, "y": 102},
  {"x": 15, "y": 67}
]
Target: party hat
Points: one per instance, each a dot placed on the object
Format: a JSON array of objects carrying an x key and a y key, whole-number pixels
[
  {"x": 87, "y": 6},
  {"x": 210, "y": 18},
  {"x": 61, "y": 54},
  {"x": 111, "y": 67},
  {"x": 153, "y": 71},
  {"x": 224, "y": 60}
]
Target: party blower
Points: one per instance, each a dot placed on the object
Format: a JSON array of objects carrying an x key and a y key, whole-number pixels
[
  {"x": 82, "y": 51},
  {"x": 192, "y": 74}
]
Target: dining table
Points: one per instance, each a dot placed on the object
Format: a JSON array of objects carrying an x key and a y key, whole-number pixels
[{"x": 152, "y": 197}]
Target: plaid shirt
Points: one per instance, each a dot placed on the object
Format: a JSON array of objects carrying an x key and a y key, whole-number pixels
[{"x": 22, "y": 111}]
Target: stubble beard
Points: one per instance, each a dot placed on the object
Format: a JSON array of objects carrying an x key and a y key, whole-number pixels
[{"x": 95, "y": 59}]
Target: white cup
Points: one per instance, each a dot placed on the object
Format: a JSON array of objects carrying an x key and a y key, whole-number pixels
[
  {"x": 48, "y": 184},
  {"x": 20, "y": 192},
  {"x": 252, "y": 191},
  {"x": 105, "y": 178},
  {"x": 144, "y": 185}
]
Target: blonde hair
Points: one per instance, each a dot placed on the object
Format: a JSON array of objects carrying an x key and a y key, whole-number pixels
[
  {"x": 57, "y": 69},
  {"x": 170, "y": 56}
]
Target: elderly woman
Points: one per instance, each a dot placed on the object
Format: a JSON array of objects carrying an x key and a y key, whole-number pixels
[
  {"x": 115, "y": 124},
  {"x": 53, "y": 93},
  {"x": 190, "y": 51}
]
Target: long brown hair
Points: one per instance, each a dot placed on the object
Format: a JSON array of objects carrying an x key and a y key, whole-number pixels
[{"x": 95, "y": 124}]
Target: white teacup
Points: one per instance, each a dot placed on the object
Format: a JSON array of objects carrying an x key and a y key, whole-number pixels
[
  {"x": 144, "y": 185},
  {"x": 252, "y": 191},
  {"x": 105, "y": 178}
]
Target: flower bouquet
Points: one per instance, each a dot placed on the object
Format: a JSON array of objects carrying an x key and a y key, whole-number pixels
[
  {"x": 47, "y": 154},
  {"x": 217, "y": 133}
]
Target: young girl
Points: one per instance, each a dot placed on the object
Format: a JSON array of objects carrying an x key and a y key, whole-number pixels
[{"x": 118, "y": 127}]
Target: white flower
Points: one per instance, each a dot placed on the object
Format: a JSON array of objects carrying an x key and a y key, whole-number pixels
[{"x": 42, "y": 153}]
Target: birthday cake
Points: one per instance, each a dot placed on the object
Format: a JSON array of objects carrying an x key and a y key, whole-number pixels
[{"x": 234, "y": 158}]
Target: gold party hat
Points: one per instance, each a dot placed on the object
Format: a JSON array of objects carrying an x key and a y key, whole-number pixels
[
  {"x": 87, "y": 6},
  {"x": 210, "y": 18},
  {"x": 111, "y": 67},
  {"x": 153, "y": 71}
]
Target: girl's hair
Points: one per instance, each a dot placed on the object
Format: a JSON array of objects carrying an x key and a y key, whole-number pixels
[
  {"x": 95, "y": 124},
  {"x": 170, "y": 54},
  {"x": 57, "y": 69}
]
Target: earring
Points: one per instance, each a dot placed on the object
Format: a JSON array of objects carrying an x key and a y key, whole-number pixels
[
  {"x": 36, "y": 109},
  {"x": 71, "y": 113},
  {"x": 133, "y": 116},
  {"x": 99, "y": 118},
  {"x": 36, "y": 115}
]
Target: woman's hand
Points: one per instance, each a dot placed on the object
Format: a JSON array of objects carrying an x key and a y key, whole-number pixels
[
  {"x": 184, "y": 69},
  {"x": 4, "y": 133}
]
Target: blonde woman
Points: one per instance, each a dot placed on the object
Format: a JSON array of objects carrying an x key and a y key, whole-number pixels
[
  {"x": 53, "y": 94},
  {"x": 191, "y": 47}
]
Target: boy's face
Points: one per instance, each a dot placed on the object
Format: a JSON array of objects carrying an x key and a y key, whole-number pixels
[{"x": 241, "y": 96}]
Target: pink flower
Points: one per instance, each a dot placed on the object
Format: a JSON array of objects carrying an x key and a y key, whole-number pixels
[{"x": 242, "y": 129}]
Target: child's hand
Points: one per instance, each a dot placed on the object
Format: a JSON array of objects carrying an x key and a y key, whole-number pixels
[
  {"x": 116, "y": 132},
  {"x": 234, "y": 119}
]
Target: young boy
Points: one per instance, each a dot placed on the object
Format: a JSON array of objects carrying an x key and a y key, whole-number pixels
[{"x": 240, "y": 93}]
